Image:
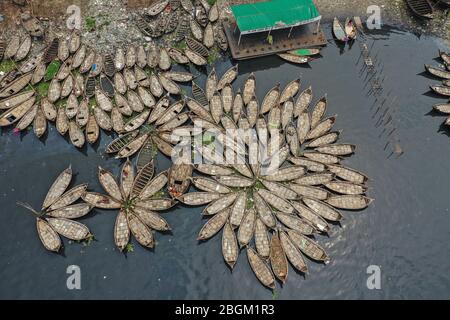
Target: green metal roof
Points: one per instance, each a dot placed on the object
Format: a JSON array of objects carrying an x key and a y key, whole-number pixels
[{"x": 274, "y": 14}]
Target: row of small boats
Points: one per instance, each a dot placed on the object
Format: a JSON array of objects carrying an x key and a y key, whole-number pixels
[
  {"x": 345, "y": 33},
  {"x": 442, "y": 89}
]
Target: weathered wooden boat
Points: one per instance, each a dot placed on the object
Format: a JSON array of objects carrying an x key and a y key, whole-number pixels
[
  {"x": 119, "y": 59},
  {"x": 211, "y": 84},
  {"x": 292, "y": 252},
  {"x": 221, "y": 39},
  {"x": 322, "y": 158},
  {"x": 445, "y": 57},
  {"x": 62, "y": 123},
  {"x": 201, "y": 14},
  {"x": 213, "y": 14},
  {"x": 16, "y": 86},
  {"x": 247, "y": 227},
  {"x": 164, "y": 59},
  {"x": 32, "y": 25},
  {"x": 238, "y": 210},
  {"x": 179, "y": 176},
  {"x": 209, "y": 185},
  {"x": 141, "y": 77},
  {"x": 141, "y": 57},
  {"x": 308, "y": 246},
  {"x": 64, "y": 207},
  {"x": 276, "y": 201},
  {"x": 52, "y": 51},
  {"x": 24, "y": 49},
  {"x": 79, "y": 57},
  {"x": 249, "y": 88},
  {"x": 197, "y": 46},
  {"x": 130, "y": 78},
  {"x": 134, "y": 101},
  {"x": 76, "y": 135},
  {"x": 72, "y": 106},
  {"x": 339, "y": 31},
  {"x": 109, "y": 65},
  {"x": 337, "y": 149},
  {"x": 119, "y": 83},
  {"x": 27, "y": 118},
  {"x": 179, "y": 76},
  {"x": 260, "y": 269},
  {"x": 170, "y": 86},
  {"x": 103, "y": 101},
  {"x": 315, "y": 220},
  {"x": 350, "y": 29},
  {"x": 278, "y": 259},
  {"x": 318, "y": 111},
  {"x": 130, "y": 57},
  {"x": 157, "y": 8},
  {"x": 103, "y": 119},
  {"x": 324, "y": 140},
  {"x": 295, "y": 223},
  {"x": 90, "y": 87},
  {"x": 155, "y": 86},
  {"x": 92, "y": 130},
  {"x": 229, "y": 76},
  {"x": 270, "y": 99},
  {"x": 137, "y": 121},
  {"x": 2, "y": 49},
  {"x": 346, "y": 187},
  {"x": 12, "y": 47},
  {"x": 106, "y": 86},
  {"x": 215, "y": 105},
  {"x": 63, "y": 49},
  {"x": 187, "y": 5},
  {"x": 323, "y": 209},
  {"x": 146, "y": 97},
  {"x": 86, "y": 65},
  {"x": 82, "y": 116},
  {"x": 123, "y": 105},
  {"x": 67, "y": 87},
  {"x": 153, "y": 56},
  {"x": 16, "y": 100},
  {"x": 441, "y": 107},
  {"x": 322, "y": 128},
  {"x": 119, "y": 143},
  {"x": 177, "y": 56},
  {"x": 442, "y": 90},
  {"x": 287, "y": 114},
  {"x": 199, "y": 95},
  {"x": 214, "y": 225},
  {"x": 421, "y": 8},
  {"x": 438, "y": 72},
  {"x": 294, "y": 58},
  {"x": 97, "y": 65},
  {"x": 195, "y": 58},
  {"x": 208, "y": 36},
  {"x": 230, "y": 249},
  {"x": 74, "y": 42},
  {"x": 227, "y": 98},
  {"x": 349, "y": 202},
  {"x": 64, "y": 71},
  {"x": 311, "y": 165},
  {"x": 290, "y": 91}
]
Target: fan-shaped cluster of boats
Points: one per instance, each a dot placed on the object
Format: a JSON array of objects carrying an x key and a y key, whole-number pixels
[{"x": 442, "y": 89}]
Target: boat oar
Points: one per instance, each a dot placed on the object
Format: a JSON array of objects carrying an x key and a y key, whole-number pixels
[{"x": 30, "y": 208}]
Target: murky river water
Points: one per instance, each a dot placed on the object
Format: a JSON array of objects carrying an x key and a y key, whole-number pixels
[{"x": 405, "y": 231}]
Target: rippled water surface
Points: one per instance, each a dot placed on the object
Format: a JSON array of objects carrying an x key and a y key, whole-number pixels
[{"x": 405, "y": 231}]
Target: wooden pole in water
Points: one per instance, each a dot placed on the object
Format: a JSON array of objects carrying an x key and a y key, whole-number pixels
[{"x": 239, "y": 41}]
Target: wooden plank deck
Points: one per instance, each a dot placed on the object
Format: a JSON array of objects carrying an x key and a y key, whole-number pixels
[{"x": 256, "y": 45}]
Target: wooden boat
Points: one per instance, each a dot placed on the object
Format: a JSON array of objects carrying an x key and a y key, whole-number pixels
[
  {"x": 348, "y": 174},
  {"x": 441, "y": 107},
  {"x": 260, "y": 269},
  {"x": 322, "y": 158},
  {"x": 261, "y": 239},
  {"x": 179, "y": 179},
  {"x": 82, "y": 116},
  {"x": 323, "y": 209},
  {"x": 63, "y": 208},
  {"x": 295, "y": 223},
  {"x": 32, "y": 25},
  {"x": 92, "y": 130},
  {"x": 287, "y": 114},
  {"x": 177, "y": 56},
  {"x": 137, "y": 121},
  {"x": 72, "y": 106},
  {"x": 221, "y": 39},
  {"x": 293, "y": 254},
  {"x": 123, "y": 105},
  {"x": 164, "y": 59},
  {"x": 197, "y": 46},
  {"x": 16, "y": 100},
  {"x": 290, "y": 91},
  {"x": 195, "y": 58},
  {"x": 67, "y": 87},
  {"x": 52, "y": 51},
  {"x": 339, "y": 31},
  {"x": 421, "y": 8},
  {"x": 199, "y": 95},
  {"x": 119, "y": 83},
  {"x": 349, "y": 202},
  {"x": 294, "y": 58},
  {"x": 227, "y": 98},
  {"x": 119, "y": 59},
  {"x": 214, "y": 225},
  {"x": 24, "y": 49},
  {"x": 103, "y": 119},
  {"x": 196, "y": 30},
  {"x": 309, "y": 191},
  {"x": 229, "y": 76},
  {"x": 216, "y": 107},
  {"x": 86, "y": 65},
  {"x": 155, "y": 86},
  {"x": 12, "y": 47},
  {"x": 270, "y": 99},
  {"x": 209, "y": 185},
  {"x": 201, "y": 14},
  {"x": 445, "y": 57},
  {"x": 438, "y": 72},
  {"x": 153, "y": 56},
  {"x": 196, "y": 108},
  {"x": 337, "y": 149},
  {"x": 305, "y": 52},
  {"x": 238, "y": 209},
  {"x": 106, "y": 86},
  {"x": 230, "y": 249},
  {"x": 345, "y": 187},
  {"x": 79, "y": 57},
  {"x": 90, "y": 87},
  {"x": 208, "y": 36},
  {"x": 62, "y": 123},
  {"x": 74, "y": 42},
  {"x": 183, "y": 29},
  {"x": 322, "y": 128},
  {"x": 170, "y": 86},
  {"x": 187, "y": 5},
  {"x": 442, "y": 90},
  {"x": 308, "y": 246},
  {"x": 303, "y": 101},
  {"x": 103, "y": 101},
  {"x": 324, "y": 140},
  {"x": 16, "y": 86},
  {"x": 249, "y": 88},
  {"x": 157, "y": 8},
  {"x": 27, "y": 118},
  {"x": 130, "y": 57},
  {"x": 130, "y": 78},
  {"x": 63, "y": 49},
  {"x": 311, "y": 165},
  {"x": 318, "y": 111},
  {"x": 199, "y": 198},
  {"x": 76, "y": 135},
  {"x": 179, "y": 76},
  {"x": 146, "y": 97},
  {"x": 315, "y": 220},
  {"x": 247, "y": 227},
  {"x": 141, "y": 77},
  {"x": 48, "y": 236},
  {"x": 134, "y": 101},
  {"x": 211, "y": 170},
  {"x": 350, "y": 29},
  {"x": 109, "y": 67},
  {"x": 213, "y": 14},
  {"x": 276, "y": 201},
  {"x": 119, "y": 143},
  {"x": 211, "y": 84},
  {"x": 141, "y": 57}
]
